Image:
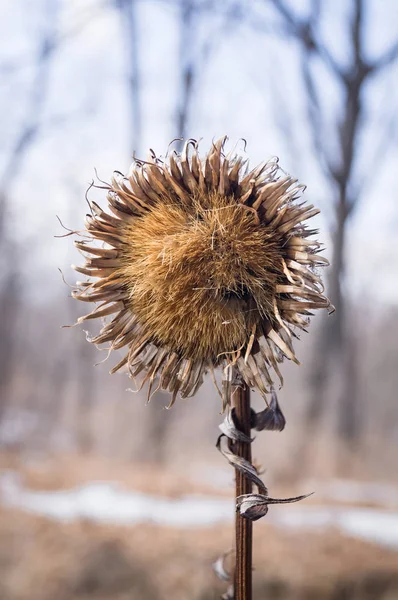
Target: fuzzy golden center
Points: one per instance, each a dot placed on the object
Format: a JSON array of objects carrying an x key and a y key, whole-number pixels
[{"x": 200, "y": 279}]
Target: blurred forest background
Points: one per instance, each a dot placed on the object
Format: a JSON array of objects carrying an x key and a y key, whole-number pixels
[{"x": 87, "y": 83}]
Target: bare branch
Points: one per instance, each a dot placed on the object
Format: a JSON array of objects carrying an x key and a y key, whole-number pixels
[
  {"x": 35, "y": 102},
  {"x": 356, "y": 31},
  {"x": 387, "y": 138},
  {"x": 385, "y": 59},
  {"x": 187, "y": 65},
  {"x": 303, "y": 31},
  {"x": 282, "y": 113},
  {"x": 285, "y": 13},
  {"x": 233, "y": 16},
  {"x": 314, "y": 111},
  {"x": 19, "y": 63},
  {"x": 128, "y": 12},
  {"x": 194, "y": 55}
]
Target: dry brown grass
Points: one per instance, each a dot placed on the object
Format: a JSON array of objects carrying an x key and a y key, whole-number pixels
[
  {"x": 44, "y": 560},
  {"x": 66, "y": 471}
]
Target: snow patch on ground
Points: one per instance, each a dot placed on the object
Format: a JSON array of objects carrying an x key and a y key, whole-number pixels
[
  {"x": 107, "y": 502},
  {"x": 345, "y": 490},
  {"x": 336, "y": 490}
]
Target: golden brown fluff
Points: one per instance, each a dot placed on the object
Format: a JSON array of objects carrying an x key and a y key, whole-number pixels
[{"x": 204, "y": 264}]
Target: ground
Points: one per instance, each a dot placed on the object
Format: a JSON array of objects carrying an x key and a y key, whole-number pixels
[{"x": 42, "y": 559}]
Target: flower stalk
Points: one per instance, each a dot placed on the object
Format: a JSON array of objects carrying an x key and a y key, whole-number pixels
[{"x": 243, "y": 526}]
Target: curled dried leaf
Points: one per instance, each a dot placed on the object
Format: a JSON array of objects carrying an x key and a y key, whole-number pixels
[
  {"x": 229, "y": 429},
  {"x": 229, "y": 594},
  {"x": 219, "y": 567},
  {"x": 242, "y": 465},
  {"x": 271, "y": 418},
  {"x": 255, "y": 506}
]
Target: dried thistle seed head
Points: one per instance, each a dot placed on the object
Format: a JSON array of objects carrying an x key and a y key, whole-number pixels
[
  {"x": 194, "y": 270},
  {"x": 203, "y": 264}
]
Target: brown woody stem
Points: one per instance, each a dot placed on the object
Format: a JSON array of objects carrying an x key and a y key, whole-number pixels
[{"x": 244, "y": 527}]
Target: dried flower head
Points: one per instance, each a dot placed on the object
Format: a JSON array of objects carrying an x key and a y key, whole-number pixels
[{"x": 204, "y": 264}]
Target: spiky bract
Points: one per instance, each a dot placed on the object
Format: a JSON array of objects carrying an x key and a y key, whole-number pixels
[{"x": 205, "y": 264}]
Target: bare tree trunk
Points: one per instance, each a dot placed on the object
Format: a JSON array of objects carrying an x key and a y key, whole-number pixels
[
  {"x": 10, "y": 295},
  {"x": 331, "y": 348},
  {"x": 86, "y": 395},
  {"x": 58, "y": 380},
  {"x": 187, "y": 67},
  {"x": 334, "y": 362},
  {"x": 349, "y": 422},
  {"x": 157, "y": 426},
  {"x": 336, "y": 274},
  {"x": 10, "y": 290},
  {"x": 35, "y": 103},
  {"x": 331, "y": 337},
  {"x": 128, "y": 13}
]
